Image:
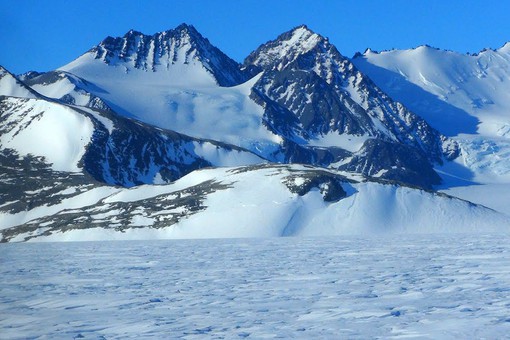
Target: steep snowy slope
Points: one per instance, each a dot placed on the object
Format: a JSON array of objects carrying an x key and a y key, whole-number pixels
[
  {"x": 42, "y": 128},
  {"x": 453, "y": 91},
  {"x": 465, "y": 96},
  {"x": 12, "y": 86},
  {"x": 112, "y": 149},
  {"x": 257, "y": 201},
  {"x": 67, "y": 88}
]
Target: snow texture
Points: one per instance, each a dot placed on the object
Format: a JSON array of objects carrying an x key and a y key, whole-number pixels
[{"x": 426, "y": 287}]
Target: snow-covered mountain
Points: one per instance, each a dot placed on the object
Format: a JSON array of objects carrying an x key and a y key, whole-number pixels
[
  {"x": 173, "y": 80},
  {"x": 167, "y": 52},
  {"x": 110, "y": 148},
  {"x": 464, "y": 96},
  {"x": 304, "y": 102},
  {"x": 334, "y": 105},
  {"x": 141, "y": 110},
  {"x": 253, "y": 201}
]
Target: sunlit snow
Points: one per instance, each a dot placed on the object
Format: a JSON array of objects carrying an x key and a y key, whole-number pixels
[
  {"x": 183, "y": 98},
  {"x": 432, "y": 287},
  {"x": 461, "y": 95},
  {"x": 47, "y": 129}
]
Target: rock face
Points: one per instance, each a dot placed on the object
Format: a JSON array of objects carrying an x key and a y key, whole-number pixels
[
  {"x": 182, "y": 45},
  {"x": 322, "y": 92}
]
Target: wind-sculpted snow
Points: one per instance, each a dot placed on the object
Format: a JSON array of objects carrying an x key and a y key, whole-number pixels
[
  {"x": 252, "y": 201},
  {"x": 426, "y": 287}
]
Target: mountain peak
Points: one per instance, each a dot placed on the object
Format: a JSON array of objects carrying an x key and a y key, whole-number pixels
[
  {"x": 187, "y": 28},
  {"x": 133, "y": 32},
  {"x": 505, "y": 48},
  {"x": 162, "y": 51},
  {"x": 301, "y": 33},
  {"x": 136, "y": 47},
  {"x": 285, "y": 48}
]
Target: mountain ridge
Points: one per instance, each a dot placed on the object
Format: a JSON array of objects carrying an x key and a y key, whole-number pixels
[
  {"x": 146, "y": 111},
  {"x": 160, "y": 51}
]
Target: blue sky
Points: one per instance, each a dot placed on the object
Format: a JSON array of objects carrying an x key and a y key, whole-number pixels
[{"x": 43, "y": 35}]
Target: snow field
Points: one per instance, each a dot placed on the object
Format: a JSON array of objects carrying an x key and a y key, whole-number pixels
[{"x": 425, "y": 287}]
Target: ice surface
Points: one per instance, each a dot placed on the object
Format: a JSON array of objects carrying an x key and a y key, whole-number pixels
[{"x": 432, "y": 287}]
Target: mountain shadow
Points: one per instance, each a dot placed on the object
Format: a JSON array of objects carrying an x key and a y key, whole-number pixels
[{"x": 444, "y": 117}]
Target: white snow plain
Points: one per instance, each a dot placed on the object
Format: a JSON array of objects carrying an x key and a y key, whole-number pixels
[{"x": 426, "y": 287}]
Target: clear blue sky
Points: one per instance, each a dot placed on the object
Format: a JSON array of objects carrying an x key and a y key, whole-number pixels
[{"x": 45, "y": 34}]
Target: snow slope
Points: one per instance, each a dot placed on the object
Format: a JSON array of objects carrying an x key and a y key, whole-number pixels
[
  {"x": 66, "y": 88},
  {"x": 11, "y": 86},
  {"x": 256, "y": 201},
  {"x": 42, "y": 128},
  {"x": 456, "y": 93},
  {"x": 464, "y": 96},
  {"x": 187, "y": 101}
]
